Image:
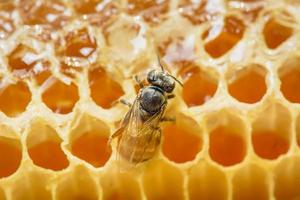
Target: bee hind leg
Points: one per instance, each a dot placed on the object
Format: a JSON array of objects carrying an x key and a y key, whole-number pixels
[{"x": 116, "y": 134}]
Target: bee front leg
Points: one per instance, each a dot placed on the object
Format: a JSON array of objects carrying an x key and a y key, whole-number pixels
[
  {"x": 125, "y": 102},
  {"x": 116, "y": 134},
  {"x": 139, "y": 81},
  {"x": 171, "y": 96}
]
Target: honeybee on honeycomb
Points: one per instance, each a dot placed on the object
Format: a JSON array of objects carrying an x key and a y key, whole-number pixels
[{"x": 64, "y": 64}]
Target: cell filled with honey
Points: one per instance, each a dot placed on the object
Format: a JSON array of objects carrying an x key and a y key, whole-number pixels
[
  {"x": 182, "y": 140},
  {"x": 59, "y": 96},
  {"x": 44, "y": 147},
  {"x": 111, "y": 90},
  {"x": 198, "y": 86},
  {"x": 275, "y": 33},
  {"x": 89, "y": 141},
  {"x": 231, "y": 34},
  {"x": 271, "y": 132},
  {"x": 248, "y": 85},
  {"x": 14, "y": 98},
  {"x": 289, "y": 74}
]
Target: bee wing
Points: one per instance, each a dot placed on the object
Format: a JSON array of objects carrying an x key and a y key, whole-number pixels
[{"x": 146, "y": 133}]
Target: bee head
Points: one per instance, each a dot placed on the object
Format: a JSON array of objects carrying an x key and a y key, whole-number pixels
[{"x": 161, "y": 79}]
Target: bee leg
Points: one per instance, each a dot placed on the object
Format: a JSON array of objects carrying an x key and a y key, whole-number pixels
[
  {"x": 125, "y": 102},
  {"x": 168, "y": 119},
  {"x": 138, "y": 80},
  {"x": 115, "y": 134},
  {"x": 171, "y": 96}
]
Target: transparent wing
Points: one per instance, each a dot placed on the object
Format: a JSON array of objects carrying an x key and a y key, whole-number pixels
[{"x": 138, "y": 137}]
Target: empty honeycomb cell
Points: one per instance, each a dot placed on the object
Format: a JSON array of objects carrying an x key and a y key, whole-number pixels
[
  {"x": 248, "y": 85},
  {"x": 275, "y": 33},
  {"x": 271, "y": 132},
  {"x": 230, "y": 35},
  {"x": 198, "y": 86},
  {"x": 44, "y": 147},
  {"x": 53, "y": 13},
  {"x": 34, "y": 185},
  {"x": 14, "y": 98},
  {"x": 250, "y": 182},
  {"x": 80, "y": 44},
  {"x": 125, "y": 38},
  {"x": 168, "y": 181},
  {"x": 226, "y": 138},
  {"x": 119, "y": 185},
  {"x": 289, "y": 74},
  {"x": 89, "y": 141},
  {"x": 78, "y": 184},
  {"x": 111, "y": 90},
  {"x": 181, "y": 140},
  {"x": 60, "y": 97},
  {"x": 11, "y": 155},
  {"x": 287, "y": 180},
  {"x": 206, "y": 182}
]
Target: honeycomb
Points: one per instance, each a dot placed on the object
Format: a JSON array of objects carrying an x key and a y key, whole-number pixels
[{"x": 64, "y": 65}]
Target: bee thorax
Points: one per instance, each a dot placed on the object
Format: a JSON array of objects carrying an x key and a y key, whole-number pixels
[{"x": 152, "y": 99}]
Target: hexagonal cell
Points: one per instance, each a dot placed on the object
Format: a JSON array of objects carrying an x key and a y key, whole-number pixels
[
  {"x": 168, "y": 181},
  {"x": 230, "y": 35},
  {"x": 227, "y": 136},
  {"x": 88, "y": 141},
  {"x": 35, "y": 185},
  {"x": 10, "y": 151},
  {"x": 96, "y": 12},
  {"x": 59, "y": 96},
  {"x": 182, "y": 140},
  {"x": 14, "y": 98},
  {"x": 207, "y": 182},
  {"x": 118, "y": 185},
  {"x": 77, "y": 184},
  {"x": 44, "y": 146},
  {"x": 199, "y": 86},
  {"x": 24, "y": 61},
  {"x": 271, "y": 132},
  {"x": 152, "y": 11},
  {"x": 111, "y": 90},
  {"x": 289, "y": 74},
  {"x": 287, "y": 179},
  {"x": 79, "y": 43},
  {"x": 276, "y": 33},
  {"x": 250, "y": 182},
  {"x": 51, "y": 13},
  {"x": 248, "y": 85}
]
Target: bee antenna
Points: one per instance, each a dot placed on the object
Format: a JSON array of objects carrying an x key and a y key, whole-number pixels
[
  {"x": 159, "y": 62},
  {"x": 176, "y": 80}
]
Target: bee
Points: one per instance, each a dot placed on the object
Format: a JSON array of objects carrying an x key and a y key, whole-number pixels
[{"x": 139, "y": 134}]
